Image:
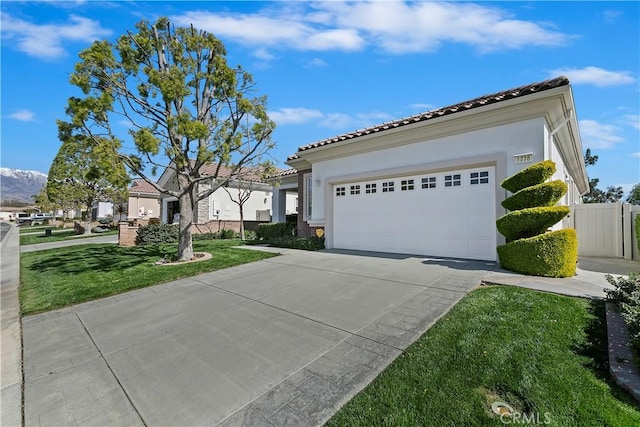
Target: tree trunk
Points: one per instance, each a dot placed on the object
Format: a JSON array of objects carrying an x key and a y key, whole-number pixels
[
  {"x": 87, "y": 222},
  {"x": 185, "y": 244},
  {"x": 241, "y": 223}
]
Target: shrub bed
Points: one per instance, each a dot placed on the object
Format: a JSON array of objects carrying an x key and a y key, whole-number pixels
[
  {"x": 627, "y": 295},
  {"x": 275, "y": 229},
  {"x": 157, "y": 233},
  {"x": 552, "y": 254}
]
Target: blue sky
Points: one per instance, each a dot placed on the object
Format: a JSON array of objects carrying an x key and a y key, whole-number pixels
[{"x": 333, "y": 67}]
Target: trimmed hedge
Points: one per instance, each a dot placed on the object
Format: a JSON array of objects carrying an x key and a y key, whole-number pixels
[
  {"x": 545, "y": 194},
  {"x": 533, "y": 175},
  {"x": 552, "y": 254},
  {"x": 530, "y": 222},
  {"x": 305, "y": 243},
  {"x": 157, "y": 233},
  {"x": 275, "y": 229}
]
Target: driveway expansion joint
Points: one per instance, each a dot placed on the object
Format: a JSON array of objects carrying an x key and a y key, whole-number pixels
[{"x": 111, "y": 370}]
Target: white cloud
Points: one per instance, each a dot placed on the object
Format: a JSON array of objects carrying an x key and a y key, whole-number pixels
[
  {"x": 599, "y": 135},
  {"x": 47, "y": 41},
  {"x": 632, "y": 120},
  {"x": 295, "y": 116},
  {"x": 595, "y": 76},
  {"x": 343, "y": 121},
  {"x": 23, "y": 116},
  {"x": 263, "y": 54},
  {"x": 611, "y": 15},
  {"x": 316, "y": 63},
  {"x": 421, "y": 107},
  {"x": 394, "y": 27},
  {"x": 636, "y": 154}
]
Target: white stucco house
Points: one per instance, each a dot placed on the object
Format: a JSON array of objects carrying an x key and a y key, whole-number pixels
[
  {"x": 429, "y": 184},
  {"x": 219, "y": 210}
]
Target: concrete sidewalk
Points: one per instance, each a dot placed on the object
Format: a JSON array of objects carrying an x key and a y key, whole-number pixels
[
  {"x": 589, "y": 281},
  {"x": 71, "y": 242},
  {"x": 11, "y": 357}
]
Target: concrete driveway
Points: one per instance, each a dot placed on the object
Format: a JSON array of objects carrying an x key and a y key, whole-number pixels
[{"x": 285, "y": 341}]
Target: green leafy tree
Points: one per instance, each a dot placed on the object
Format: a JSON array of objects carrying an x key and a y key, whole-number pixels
[
  {"x": 596, "y": 195},
  {"x": 634, "y": 195},
  {"x": 185, "y": 106},
  {"x": 81, "y": 176}
]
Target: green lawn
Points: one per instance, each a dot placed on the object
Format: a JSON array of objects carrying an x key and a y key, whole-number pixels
[
  {"x": 59, "y": 277},
  {"x": 58, "y": 236},
  {"x": 33, "y": 228},
  {"x": 543, "y": 354}
]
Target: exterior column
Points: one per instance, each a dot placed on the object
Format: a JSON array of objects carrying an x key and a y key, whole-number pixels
[{"x": 279, "y": 205}]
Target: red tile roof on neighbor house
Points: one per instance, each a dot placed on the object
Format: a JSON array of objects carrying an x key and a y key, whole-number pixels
[
  {"x": 451, "y": 109},
  {"x": 141, "y": 186}
]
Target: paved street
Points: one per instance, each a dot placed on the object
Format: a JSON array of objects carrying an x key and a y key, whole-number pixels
[{"x": 282, "y": 341}]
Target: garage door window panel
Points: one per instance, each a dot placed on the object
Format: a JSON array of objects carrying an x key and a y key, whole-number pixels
[
  {"x": 388, "y": 187},
  {"x": 354, "y": 190},
  {"x": 479, "y": 177},
  {"x": 340, "y": 191},
  {"x": 370, "y": 188},
  {"x": 452, "y": 180},
  {"x": 406, "y": 185},
  {"x": 429, "y": 182}
]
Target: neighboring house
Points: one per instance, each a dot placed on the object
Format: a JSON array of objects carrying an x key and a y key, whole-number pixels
[
  {"x": 144, "y": 200},
  {"x": 101, "y": 210},
  {"x": 218, "y": 210},
  {"x": 430, "y": 184}
]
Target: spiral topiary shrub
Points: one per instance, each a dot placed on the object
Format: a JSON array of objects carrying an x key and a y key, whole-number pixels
[
  {"x": 531, "y": 249},
  {"x": 553, "y": 254},
  {"x": 545, "y": 194},
  {"x": 530, "y": 222},
  {"x": 534, "y": 174}
]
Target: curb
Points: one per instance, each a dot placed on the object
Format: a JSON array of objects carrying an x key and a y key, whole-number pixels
[{"x": 623, "y": 371}]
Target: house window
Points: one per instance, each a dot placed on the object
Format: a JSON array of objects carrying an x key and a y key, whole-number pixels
[
  {"x": 340, "y": 191},
  {"x": 387, "y": 187},
  {"x": 429, "y": 182},
  {"x": 370, "y": 188},
  {"x": 479, "y": 177},
  {"x": 355, "y": 189},
  {"x": 406, "y": 184},
  {"x": 308, "y": 189},
  {"x": 452, "y": 180}
]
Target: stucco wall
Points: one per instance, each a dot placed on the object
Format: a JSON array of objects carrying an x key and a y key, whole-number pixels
[{"x": 501, "y": 141}]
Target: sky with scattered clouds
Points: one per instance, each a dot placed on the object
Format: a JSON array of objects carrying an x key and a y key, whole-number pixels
[{"x": 331, "y": 67}]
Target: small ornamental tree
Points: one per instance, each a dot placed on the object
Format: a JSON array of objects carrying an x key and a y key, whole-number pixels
[
  {"x": 530, "y": 249},
  {"x": 183, "y": 105}
]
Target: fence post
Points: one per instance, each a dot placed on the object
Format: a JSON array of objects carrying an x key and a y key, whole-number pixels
[{"x": 627, "y": 231}]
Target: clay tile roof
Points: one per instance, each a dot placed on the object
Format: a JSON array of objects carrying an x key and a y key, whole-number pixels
[
  {"x": 284, "y": 172},
  {"x": 141, "y": 186},
  {"x": 451, "y": 109}
]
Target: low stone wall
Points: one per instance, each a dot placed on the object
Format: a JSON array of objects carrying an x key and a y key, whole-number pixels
[{"x": 215, "y": 226}]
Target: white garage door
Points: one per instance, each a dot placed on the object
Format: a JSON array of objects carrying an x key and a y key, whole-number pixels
[{"x": 449, "y": 214}]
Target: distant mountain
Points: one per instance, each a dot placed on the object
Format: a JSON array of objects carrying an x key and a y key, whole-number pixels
[{"x": 20, "y": 185}]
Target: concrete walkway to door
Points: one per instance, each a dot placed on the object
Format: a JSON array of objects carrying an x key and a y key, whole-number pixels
[{"x": 284, "y": 341}]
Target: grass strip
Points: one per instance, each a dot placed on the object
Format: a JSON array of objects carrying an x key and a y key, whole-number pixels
[
  {"x": 59, "y": 236},
  {"x": 57, "y": 278},
  {"x": 543, "y": 354}
]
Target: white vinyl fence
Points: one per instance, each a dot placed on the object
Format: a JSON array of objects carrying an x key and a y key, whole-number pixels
[{"x": 606, "y": 229}]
